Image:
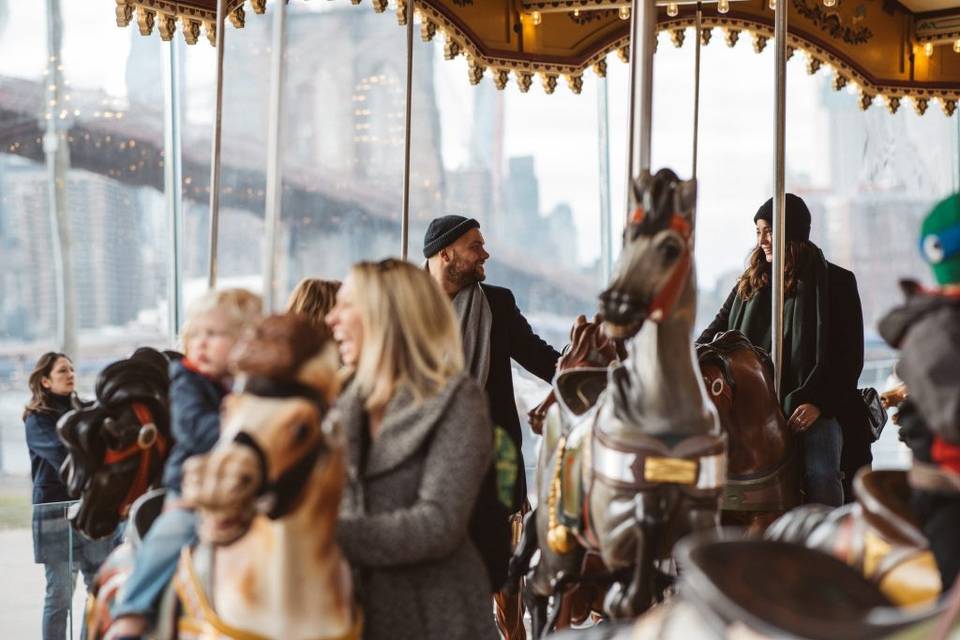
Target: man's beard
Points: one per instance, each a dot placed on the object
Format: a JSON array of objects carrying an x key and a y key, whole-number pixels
[{"x": 461, "y": 274}]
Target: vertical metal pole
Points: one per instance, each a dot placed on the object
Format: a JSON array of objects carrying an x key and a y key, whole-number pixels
[
  {"x": 57, "y": 155},
  {"x": 603, "y": 144},
  {"x": 779, "y": 236},
  {"x": 274, "y": 161},
  {"x": 215, "y": 152},
  {"x": 696, "y": 87},
  {"x": 408, "y": 110},
  {"x": 643, "y": 42},
  {"x": 173, "y": 186}
]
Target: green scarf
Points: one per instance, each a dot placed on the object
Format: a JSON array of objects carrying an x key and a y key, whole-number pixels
[{"x": 804, "y": 342}]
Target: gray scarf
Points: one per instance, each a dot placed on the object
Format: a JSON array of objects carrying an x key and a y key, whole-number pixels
[{"x": 476, "y": 323}]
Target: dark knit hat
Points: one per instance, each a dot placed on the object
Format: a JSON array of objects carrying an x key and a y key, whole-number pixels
[
  {"x": 797, "y": 215},
  {"x": 444, "y": 231}
]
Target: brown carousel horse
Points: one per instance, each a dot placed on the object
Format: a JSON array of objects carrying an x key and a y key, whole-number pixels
[
  {"x": 116, "y": 447},
  {"x": 629, "y": 473},
  {"x": 763, "y": 465},
  {"x": 267, "y": 564}
]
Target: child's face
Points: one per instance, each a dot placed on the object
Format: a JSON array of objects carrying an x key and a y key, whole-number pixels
[{"x": 210, "y": 342}]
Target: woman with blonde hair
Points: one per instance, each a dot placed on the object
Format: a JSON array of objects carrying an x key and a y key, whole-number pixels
[{"x": 419, "y": 443}]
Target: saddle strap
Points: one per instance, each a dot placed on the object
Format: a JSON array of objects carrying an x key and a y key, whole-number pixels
[
  {"x": 644, "y": 468},
  {"x": 767, "y": 492}
]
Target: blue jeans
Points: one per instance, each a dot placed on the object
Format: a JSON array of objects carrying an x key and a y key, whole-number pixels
[
  {"x": 156, "y": 562},
  {"x": 822, "y": 444},
  {"x": 61, "y": 576}
]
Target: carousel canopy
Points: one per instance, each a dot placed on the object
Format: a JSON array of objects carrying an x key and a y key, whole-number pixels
[{"x": 886, "y": 48}]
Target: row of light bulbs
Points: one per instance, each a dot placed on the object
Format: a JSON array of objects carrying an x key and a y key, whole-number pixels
[
  {"x": 928, "y": 48},
  {"x": 673, "y": 10}
]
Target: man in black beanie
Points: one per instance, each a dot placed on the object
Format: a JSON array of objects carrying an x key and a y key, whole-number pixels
[{"x": 494, "y": 332}]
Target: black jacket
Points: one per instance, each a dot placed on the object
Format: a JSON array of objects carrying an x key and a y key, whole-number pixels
[
  {"x": 47, "y": 452},
  {"x": 511, "y": 338},
  {"x": 194, "y": 418},
  {"x": 831, "y": 385}
]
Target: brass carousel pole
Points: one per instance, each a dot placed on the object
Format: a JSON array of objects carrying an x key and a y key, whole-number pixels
[
  {"x": 172, "y": 186},
  {"x": 274, "y": 203},
  {"x": 643, "y": 42},
  {"x": 779, "y": 236},
  {"x": 215, "y": 152},
  {"x": 696, "y": 86},
  {"x": 408, "y": 110},
  {"x": 57, "y": 152}
]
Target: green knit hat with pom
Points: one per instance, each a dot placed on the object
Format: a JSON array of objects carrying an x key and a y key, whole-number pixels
[{"x": 940, "y": 240}]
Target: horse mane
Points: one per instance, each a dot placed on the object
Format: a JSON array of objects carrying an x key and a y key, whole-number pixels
[
  {"x": 658, "y": 192},
  {"x": 720, "y": 352},
  {"x": 89, "y": 432}
]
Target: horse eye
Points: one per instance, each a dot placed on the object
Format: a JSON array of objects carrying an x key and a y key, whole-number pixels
[
  {"x": 301, "y": 433},
  {"x": 670, "y": 250}
]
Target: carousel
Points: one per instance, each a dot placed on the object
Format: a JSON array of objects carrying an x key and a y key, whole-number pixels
[{"x": 668, "y": 497}]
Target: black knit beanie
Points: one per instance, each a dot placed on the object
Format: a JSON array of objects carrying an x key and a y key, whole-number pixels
[
  {"x": 797, "y": 215},
  {"x": 444, "y": 231}
]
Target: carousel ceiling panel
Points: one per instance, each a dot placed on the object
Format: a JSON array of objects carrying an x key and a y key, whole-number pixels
[{"x": 885, "y": 47}]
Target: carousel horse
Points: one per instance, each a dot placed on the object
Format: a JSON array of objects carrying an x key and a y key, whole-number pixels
[
  {"x": 777, "y": 590},
  {"x": 267, "y": 565},
  {"x": 590, "y": 349},
  {"x": 877, "y": 535},
  {"x": 116, "y": 447},
  {"x": 633, "y": 457},
  {"x": 763, "y": 465}
]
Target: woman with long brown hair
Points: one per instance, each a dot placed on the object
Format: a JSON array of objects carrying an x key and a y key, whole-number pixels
[
  {"x": 822, "y": 345},
  {"x": 52, "y": 390}
]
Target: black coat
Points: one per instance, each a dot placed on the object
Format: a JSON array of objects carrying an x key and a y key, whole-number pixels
[
  {"x": 511, "y": 338},
  {"x": 832, "y": 384}
]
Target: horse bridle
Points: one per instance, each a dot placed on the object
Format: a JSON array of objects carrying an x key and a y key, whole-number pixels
[
  {"x": 282, "y": 494},
  {"x": 148, "y": 437},
  {"x": 662, "y": 303}
]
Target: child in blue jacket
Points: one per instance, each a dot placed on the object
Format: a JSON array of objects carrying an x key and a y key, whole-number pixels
[{"x": 198, "y": 385}]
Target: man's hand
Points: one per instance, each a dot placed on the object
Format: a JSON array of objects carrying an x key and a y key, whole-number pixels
[{"x": 804, "y": 416}]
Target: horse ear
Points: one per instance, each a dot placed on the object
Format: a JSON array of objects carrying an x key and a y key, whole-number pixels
[
  {"x": 686, "y": 193},
  {"x": 640, "y": 186}
]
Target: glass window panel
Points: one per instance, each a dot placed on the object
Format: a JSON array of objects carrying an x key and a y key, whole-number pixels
[{"x": 343, "y": 133}]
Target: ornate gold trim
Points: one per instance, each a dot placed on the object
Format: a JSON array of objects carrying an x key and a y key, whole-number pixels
[{"x": 165, "y": 14}]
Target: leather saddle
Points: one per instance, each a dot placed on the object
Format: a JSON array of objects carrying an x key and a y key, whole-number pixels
[
  {"x": 877, "y": 535},
  {"x": 781, "y": 589},
  {"x": 567, "y": 430}
]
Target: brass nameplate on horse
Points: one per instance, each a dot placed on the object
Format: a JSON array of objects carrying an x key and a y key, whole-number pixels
[{"x": 675, "y": 470}]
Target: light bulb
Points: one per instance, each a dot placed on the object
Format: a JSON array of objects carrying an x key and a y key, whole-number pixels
[
  {"x": 829, "y": 3},
  {"x": 536, "y": 18},
  {"x": 773, "y": 5},
  {"x": 576, "y": 13},
  {"x": 723, "y": 6},
  {"x": 956, "y": 46},
  {"x": 625, "y": 13},
  {"x": 673, "y": 9},
  {"x": 928, "y": 49}
]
